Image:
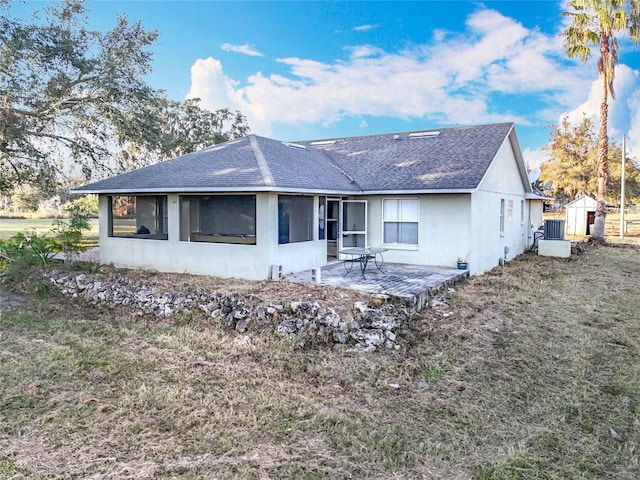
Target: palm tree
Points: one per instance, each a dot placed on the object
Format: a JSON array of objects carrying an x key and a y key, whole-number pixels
[{"x": 596, "y": 23}]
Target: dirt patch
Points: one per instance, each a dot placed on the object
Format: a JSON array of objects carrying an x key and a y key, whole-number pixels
[{"x": 9, "y": 299}]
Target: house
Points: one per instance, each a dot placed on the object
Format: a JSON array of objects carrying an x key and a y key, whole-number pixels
[
  {"x": 580, "y": 215},
  {"x": 257, "y": 207}
]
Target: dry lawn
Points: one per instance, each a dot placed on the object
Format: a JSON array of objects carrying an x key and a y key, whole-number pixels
[{"x": 531, "y": 371}]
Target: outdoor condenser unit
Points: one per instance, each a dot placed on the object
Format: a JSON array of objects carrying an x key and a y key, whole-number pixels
[{"x": 554, "y": 229}]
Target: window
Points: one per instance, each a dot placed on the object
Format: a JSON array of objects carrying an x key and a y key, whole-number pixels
[
  {"x": 138, "y": 216},
  {"x": 522, "y": 212},
  {"x": 400, "y": 221},
  {"x": 218, "y": 219},
  {"x": 295, "y": 219},
  {"x": 502, "y": 216}
]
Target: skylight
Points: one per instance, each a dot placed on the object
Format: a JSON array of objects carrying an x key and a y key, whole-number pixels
[
  {"x": 429, "y": 134},
  {"x": 294, "y": 145},
  {"x": 323, "y": 142}
]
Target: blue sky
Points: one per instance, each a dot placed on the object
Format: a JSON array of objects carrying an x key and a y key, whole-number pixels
[{"x": 303, "y": 70}]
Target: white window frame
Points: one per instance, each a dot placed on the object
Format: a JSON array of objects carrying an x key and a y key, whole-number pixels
[
  {"x": 410, "y": 246},
  {"x": 502, "y": 216}
]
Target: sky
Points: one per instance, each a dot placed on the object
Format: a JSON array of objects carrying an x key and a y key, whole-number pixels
[{"x": 319, "y": 69}]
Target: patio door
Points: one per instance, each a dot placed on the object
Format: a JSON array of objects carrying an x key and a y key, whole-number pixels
[{"x": 353, "y": 224}]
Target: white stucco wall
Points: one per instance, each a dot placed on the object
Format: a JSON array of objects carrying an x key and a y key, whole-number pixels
[
  {"x": 218, "y": 259},
  {"x": 536, "y": 211},
  {"x": 443, "y": 236},
  {"x": 489, "y": 245},
  {"x": 293, "y": 257}
]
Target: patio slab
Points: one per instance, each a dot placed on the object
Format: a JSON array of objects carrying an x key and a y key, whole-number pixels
[{"x": 415, "y": 285}]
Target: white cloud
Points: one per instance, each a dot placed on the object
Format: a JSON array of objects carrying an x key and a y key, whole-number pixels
[
  {"x": 245, "y": 49},
  {"x": 212, "y": 86},
  {"x": 453, "y": 80},
  {"x": 364, "y": 28},
  {"x": 623, "y": 113},
  {"x": 534, "y": 158}
]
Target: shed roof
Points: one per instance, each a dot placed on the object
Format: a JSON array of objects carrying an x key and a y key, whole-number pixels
[{"x": 583, "y": 201}]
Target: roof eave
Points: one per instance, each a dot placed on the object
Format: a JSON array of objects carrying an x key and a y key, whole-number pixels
[
  {"x": 128, "y": 191},
  {"x": 534, "y": 196},
  {"x": 517, "y": 151}
]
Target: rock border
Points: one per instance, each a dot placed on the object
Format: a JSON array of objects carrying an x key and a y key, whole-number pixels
[{"x": 300, "y": 321}]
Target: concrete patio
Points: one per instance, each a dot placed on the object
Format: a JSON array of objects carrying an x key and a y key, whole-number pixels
[{"x": 415, "y": 285}]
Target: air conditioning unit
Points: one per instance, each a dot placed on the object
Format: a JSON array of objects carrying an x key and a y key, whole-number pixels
[{"x": 554, "y": 229}]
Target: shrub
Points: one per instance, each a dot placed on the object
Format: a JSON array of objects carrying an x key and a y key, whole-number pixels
[
  {"x": 69, "y": 232},
  {"x": 25, "y": 250}
]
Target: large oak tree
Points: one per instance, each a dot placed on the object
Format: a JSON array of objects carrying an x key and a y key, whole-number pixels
[{"x": 76, "y": 101}]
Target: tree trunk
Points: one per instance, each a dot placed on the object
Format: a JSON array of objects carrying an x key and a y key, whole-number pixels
[{"x": 603, "y": 152}]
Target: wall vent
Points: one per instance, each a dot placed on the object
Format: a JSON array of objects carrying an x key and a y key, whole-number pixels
[{"x": 554, "y": 229}]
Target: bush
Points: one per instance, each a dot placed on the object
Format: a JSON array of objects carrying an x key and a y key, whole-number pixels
[
  {"x": 69, "y": 232},
  {"x": 25, "y": 250}
]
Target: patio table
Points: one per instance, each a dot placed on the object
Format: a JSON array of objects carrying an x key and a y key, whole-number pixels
[{"x": 362, "y": 256}]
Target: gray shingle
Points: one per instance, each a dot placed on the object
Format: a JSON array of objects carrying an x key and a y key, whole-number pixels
[{"x": 456, "y": 159}]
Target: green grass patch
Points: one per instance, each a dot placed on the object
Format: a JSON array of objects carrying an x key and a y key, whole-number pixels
[{"x": 11, "y": 226}]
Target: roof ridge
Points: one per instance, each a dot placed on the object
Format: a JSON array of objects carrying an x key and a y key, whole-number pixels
[
  {"x": 403, "y": 132},
  {"x": 265, "y": 171}
]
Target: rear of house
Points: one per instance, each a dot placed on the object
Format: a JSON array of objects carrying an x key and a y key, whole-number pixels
[{"x": 257, "y": 208}]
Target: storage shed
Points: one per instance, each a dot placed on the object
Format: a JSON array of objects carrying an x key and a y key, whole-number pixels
[{"x": 580, "y": 215}]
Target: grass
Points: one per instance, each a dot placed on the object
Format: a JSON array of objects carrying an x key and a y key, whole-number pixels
[
  {"x": 11, "y": 226},
  {"x": 538, "y": 361}
]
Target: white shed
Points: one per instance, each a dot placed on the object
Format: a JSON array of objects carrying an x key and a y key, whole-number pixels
[{"x": 580, "y": 215}]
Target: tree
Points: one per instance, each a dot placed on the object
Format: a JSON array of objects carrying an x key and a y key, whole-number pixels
[
  {"x": 596, "y": 23},
  {"x": 573, "y": 166},
  {"x": 71, "y": 99},
  {"x": 182, "y": 127},
  {"x": 614, "y": 183}
]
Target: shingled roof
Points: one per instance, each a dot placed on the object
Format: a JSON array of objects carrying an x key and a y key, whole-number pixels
[
  {"x": 450, "y": 159},
  {"x": 251, "y": 163},
  {"x": 444, "y": 159}
]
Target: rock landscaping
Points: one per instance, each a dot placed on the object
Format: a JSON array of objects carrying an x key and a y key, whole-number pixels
[{"x": 364, "y": 329}]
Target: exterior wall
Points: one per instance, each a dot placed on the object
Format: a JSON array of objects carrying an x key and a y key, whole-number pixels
[
  {"x": 294, "y": 257},
  {"x": 536, "y": 210},
  {"x": 490, "y": 245},
  {"x": 576, "y": 215},
  {"x": 218, "y": 259},
  {"x": 443, "y": 236}
]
